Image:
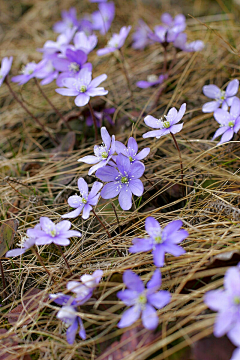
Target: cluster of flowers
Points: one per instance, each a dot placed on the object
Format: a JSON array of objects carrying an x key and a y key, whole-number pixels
[
  {"x": 229, "y": 120},
  {"x": 227, "y": 303}
]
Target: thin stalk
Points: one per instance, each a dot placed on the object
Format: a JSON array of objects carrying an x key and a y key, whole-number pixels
[
  {"x": 126, "y": 74},
  {"x": 165, "y": 60},
  {"x": 94, "y": 120},
  {"x": 29, "y": 113},
  {"x": 180, "y": 157},
  {"x": 104, "y": 227},
  {"x": 35, "y": 251},
  {"x": 3, "y": 279},
  {"x": 116, "y": 215},
  {"x": 66, "y": 262},
  {"x": 51, "y": 104}
]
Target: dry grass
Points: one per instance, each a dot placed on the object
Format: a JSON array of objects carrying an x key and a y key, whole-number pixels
[{"x": 209, "y": 210}]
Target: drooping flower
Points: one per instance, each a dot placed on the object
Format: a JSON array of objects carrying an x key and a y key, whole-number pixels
[
  {"x": 83, "y": 87},
  {"x": 5, "y": 68},
  {"x": 69, "y": 316},
  {"x": 131, "y": 150},
  {"x": 85, "y": 43},
  {"x": 142, "y": 301},
  {"x": 167, "y": 126},
  {"x": 103, "y": 153},
  {"x": 140, "y": 36},
  {"x": 100, "y": 117},
  {"x": 160, "y": 241},
  {"x": 69, "y": 20},
  {"x": 227, "y": 302},
  {"x": 151, "y": 81},
  {"x": 229, "y": 122},
  {"x": 54, "y": 233},
  {"x": 84, "y": 202},
  {"x": 122, "y": 180},
  {"x": 102, "y": 19},
  {"x": 26, "y": 243},
  {"x": 181, "y": 43},
  {"x": 28, "y": 72},
  {"x": 116, "y": 41},
  {"x": 221, "y": 97}
]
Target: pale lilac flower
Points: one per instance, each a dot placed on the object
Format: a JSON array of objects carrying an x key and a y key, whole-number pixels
[
  {"x": 236, "y": 354},
  {"x": 181, "y": 43},
  {"x": 131, "y": 150},
  {"x": 54, "y": 233},
  {"x": 83, "y": 42},
  {"x": 227, "y": 302},
  {"x": 84, "y": 202},
  {"x": 47, "y": 73},
  {"x": 97, "y": 1},
  {"x": 5, "y": 68},
  {"x": 83, "y": 87},
  {"x": 62, "y": 43},
  {"x": 103, "y": 153},
  {"x": 140, "y": 36},
  {"x": 221, "y": 97},
  {"x": 143, "y": 301},
  {"x": 229, "y": 122},
  {"x": 100, "y": 117},
  {"x": 28, "y": 72},
  {"x": 166, "y": 126},
  {"x": 116, "y": 41},
  {"x": 26, "y": 243},
  {"x": 170, "y": 29},
  {"x": 102, "y": 19},
  {"x": 69, "y": 316},
  {"x": 86, "y": 25},
  {"x": 69, "y": 20},
  {"x": 123, "y": 180},
  {"x": 151, "y": 81},
  {"x": 161, "y": 241}
]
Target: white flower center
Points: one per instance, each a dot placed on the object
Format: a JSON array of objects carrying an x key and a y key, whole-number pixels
[
  {"x": 152, "y": 78},
  {"x": 74, "y": 67},
  {"x": 221, "y": 96}
]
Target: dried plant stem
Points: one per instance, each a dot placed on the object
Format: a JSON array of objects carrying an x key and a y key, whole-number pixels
[
  {"x": 104, "y": 227},
  {"x": 165, "y": 60},
  {"x": 35, "y": 251},
  {"x": 51, "y": 104},
  {"x": 94, "y": 120},
  {"x": 116, "y": 215},
  {"x": 3, "y": 279},
  {"x": 180, "y": 157},
  {"x": 126, "y": 75},
  {"x": 66, "y": 262},
  {"x": 29, "y": 113}
]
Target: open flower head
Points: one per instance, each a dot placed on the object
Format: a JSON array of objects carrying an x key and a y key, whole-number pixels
[
  {"x": 26, "y": 242},
  {"x": 103, "y": 153},
  {"x": 222, "y": 98},
  {"x": 5, "y": 68},
  {"x": 84, "y": 42},
  {"x": 131, "y": 150},
  {"x": 123, "y": 181},
  {"x": 140, "y": 36},
  {"x": 83, "y": 87},
  {"x": 165, "y": 125},
  {"x": 142, "y": 301},
  {"x": 102, "y": 18},
  {"x": 28, "y": 72},
  {"x": 160, "y": 241},
  {"x": 69, "y": 20},
  {"x": 116, "y": 41},
  {"x": 85, "y": 201}
]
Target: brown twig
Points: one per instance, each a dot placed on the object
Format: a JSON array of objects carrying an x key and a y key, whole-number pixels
[
  {"x": 94, "y": 120},
  {"x": 66, "y": 262},
  {"x": 35, "y": 251},
  {"x": 3, "y": 279}
]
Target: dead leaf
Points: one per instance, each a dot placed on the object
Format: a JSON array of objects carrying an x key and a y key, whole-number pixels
[
  {"x": 212, "y": 348},
  {"x": 7, "y": 233},
  {"x": 229, "y": 258},
  {"x": 31, "y": 303},
  {"x": 5, "y": 346}
]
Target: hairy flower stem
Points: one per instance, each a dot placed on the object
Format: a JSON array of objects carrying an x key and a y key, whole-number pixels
[
  {"x": 125, "y": 72},
  {"x": 29, "y": 113},
  {"x": 180, "y": 157},
  {"x": 51, "y": 104},
  {"x": 3, "y": 279},
  {"x": 104, "y": 227},
  {"x": 66, "y": 262},
  {"x": 94, "y": 120},
  {"x": 35, "y": 251}
]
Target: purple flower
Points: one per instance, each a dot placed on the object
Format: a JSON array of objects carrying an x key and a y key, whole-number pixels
[
  {"x": 181, "y": 43},
  {"x": 173, "y": 26},
  {"x": 116, "y": 41},
  {"x": 28, "y": 72},
  {"x": 151, "y": 81},
  {"x": 103, "y": 18},
  {"x": 236, "y": 354},
  {"x": 69, "y": 316},
  {"x": 83, "y": 202},
  {"x": 131, "y": 150},
  {"x": 47, "y": 72},
  {"x": 103, "y": 153},
  {"x": 123, "y": 181},
  {"x": 26, "y": 242},
  {"x": 69, "y": 20},
  {"x": 167, "y": 126},
  {"x": 227, "y": 302},
  {"x": 101, "y": 116},
  {"x": 140, "y": 36},
  {"x": 83, "y": 87},
  {"x": 54, "y": 233},
  {"x": 5, "y": 68},
  {"x": 229, "y": 122},
  {"x": 221, "y": 97},
  {"x": 97, "y": 1},
  {"x": 86, "y": 25},
  {"x": 63, "y": 40},
  {"x": 142, "y": 301},
  {"x": 160, "y": 241},
  {"x": 85, "y": 43}
]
